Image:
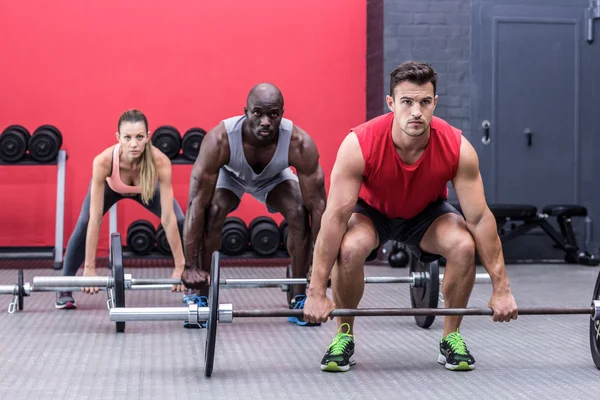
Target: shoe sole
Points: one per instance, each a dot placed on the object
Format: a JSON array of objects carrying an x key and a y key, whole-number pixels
[
  {"x": 462, "y": 366},
  {"x": 332, "y": 366},
  {"x": 67, "y": 306}
]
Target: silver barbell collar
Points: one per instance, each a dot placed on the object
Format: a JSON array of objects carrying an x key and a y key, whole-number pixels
[
  {"x": 42, "y": 282},
  {"x": 123, "y": 314},
  {"x": 596, "y": 305},
  {"x": 226, "y": 313}
]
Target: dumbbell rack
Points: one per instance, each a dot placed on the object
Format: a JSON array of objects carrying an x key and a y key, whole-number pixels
[
  {"x": 179, "y": 159},
  {"x": 57, "y": 252}
]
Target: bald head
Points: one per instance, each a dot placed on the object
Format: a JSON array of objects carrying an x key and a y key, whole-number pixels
[
  {"x": 266, "y": 93},
  {"x": 264, "y": 111}
]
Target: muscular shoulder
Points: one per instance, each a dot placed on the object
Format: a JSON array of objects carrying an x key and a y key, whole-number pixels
[
  {"x": 214, "y": 150},
  {"x": 102, "y": 163},
  {"x": 302, "y": 143},
  {"x": 302, "y": 148},
  {"x": 468, "y": 161}
]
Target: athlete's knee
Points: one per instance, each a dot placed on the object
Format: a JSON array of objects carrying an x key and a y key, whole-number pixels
[
  {"x": 297, "y": 217},
  {"x": 356, "y": 246},
  {"x": 461, "y": 249},
  {"x": 215, "y": 216}
]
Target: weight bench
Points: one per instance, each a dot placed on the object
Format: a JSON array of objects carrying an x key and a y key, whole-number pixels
[{"x": 529, "y": 218}]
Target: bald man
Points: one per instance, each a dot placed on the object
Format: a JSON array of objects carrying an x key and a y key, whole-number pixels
[{"x": 252, "y": 153}]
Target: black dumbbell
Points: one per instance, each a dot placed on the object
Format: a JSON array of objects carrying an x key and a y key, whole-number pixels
[
  {"x": 283, "y": 231},
  {"x": 168, "y": 140},
  {"x": 162, "y": 243},
  {"x": 399, "y": 257},
  {"x": 235, "y": 236},
  {"x": 264, "y": 236},
  {"x": 141, "y": 236},
  {"x": 45, "y": 143},
  {"x": 14, "y": 141},
  {"x": 192, "y": 140}
]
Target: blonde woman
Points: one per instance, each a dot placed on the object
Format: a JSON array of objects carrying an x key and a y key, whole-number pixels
[{"x": 132, "y": 169}]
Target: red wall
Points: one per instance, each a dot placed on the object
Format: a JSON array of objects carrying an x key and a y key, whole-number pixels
[{"x": 81, "y": 65}]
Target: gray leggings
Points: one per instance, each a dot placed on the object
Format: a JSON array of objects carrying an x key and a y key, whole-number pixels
[{"x": 75, "y": 254}]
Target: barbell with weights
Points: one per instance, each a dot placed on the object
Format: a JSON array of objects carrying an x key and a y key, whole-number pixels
[
  {"x": 424, "y": 288},
  {"x": 225, "y": 313}
]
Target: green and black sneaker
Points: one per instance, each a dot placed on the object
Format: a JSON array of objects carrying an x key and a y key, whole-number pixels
[
  {"x": 340, "y": 353},
  {"x": 454, "y": 354}
]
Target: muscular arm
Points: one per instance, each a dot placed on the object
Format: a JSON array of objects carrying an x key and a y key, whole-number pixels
[
  {"x": 167, "y": 217},
  {"x": 100, "y": 170},
  {"x": 214, "y": 154},
  {"x": 304, "y": 156},
  {"x": 346, "y": 180},
  {"x": 480, "y": 220}
]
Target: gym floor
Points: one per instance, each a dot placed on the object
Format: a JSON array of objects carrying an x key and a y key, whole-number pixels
[{"x": 77, "y": 354}]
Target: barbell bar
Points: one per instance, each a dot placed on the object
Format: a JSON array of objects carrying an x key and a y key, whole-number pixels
[
  {"x": 40, "y": 283},
  {"x": 225, "y": 313}
]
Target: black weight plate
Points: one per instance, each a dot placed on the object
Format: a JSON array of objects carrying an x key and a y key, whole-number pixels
[
  {"x": 162, "y": 243},
  {"x": 235, "y": 236},
  {"x": 265, "y": 238},
  {"x": 53, "y": 129},
  {"x": 235, "y": 219},
  {"x": 213, "y": 313},
  {"x": 43, "y": 145},
  {"x": 19, "y": 128},
  {"x": 141, "y": 237},
  {"x": 21, "y": 289},
  {"x": 427, "y": 295},
  {"x": 595, "y": 328},
  {"x": 283, "y": 231},
  {"x": 13, "y": 143},
  {"x": 192, "y": 140},
  {"x": 141, "y": 222},
  {"x": 168, "y": 140},
  {"x": 258, "y": 220},
  {"x": 116, "y": 264}
]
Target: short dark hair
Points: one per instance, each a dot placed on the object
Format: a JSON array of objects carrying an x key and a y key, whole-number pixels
[{"x": 412, "y": 71}]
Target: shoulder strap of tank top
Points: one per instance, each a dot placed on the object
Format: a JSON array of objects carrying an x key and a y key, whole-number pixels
[
  {"x": 112, "y": 159},
  {"x": 285, "y": 137}
]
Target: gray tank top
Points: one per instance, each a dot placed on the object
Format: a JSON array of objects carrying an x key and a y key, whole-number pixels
[{"x": 238, "y": 165}]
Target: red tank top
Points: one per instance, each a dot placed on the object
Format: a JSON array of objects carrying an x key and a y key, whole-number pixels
[{"x": 399, "y": 190}]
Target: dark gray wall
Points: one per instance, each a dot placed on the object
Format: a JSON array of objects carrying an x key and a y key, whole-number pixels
[
  {"x": 436, "y": 31},
  {"x": 375, "y": 21},
  {"x": 439, "y": 32}
]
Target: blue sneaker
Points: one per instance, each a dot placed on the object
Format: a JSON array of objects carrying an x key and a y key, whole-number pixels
[
  {"x": 202, "y": 301},
  {"x": 297, "y": 303}
]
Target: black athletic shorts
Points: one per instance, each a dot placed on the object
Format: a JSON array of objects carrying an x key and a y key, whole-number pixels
[{"x": 408, "y": 231}]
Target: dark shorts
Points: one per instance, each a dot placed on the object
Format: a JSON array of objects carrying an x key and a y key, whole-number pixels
[{"x": 408, "y": 231}]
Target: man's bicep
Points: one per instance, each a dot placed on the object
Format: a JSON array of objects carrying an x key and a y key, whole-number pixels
[
  {"x": 346, "y": 176},
  {"x": 468, "y": 184}
]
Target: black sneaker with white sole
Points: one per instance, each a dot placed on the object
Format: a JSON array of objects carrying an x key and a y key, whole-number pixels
[
  {"x": 454, "y": 354},
  {"x": 340, "y": 353},
  {"x": 65, "y": 300}
]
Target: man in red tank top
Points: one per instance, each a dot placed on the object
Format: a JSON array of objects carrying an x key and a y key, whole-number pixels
[{"x": 389, "y": 182}]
